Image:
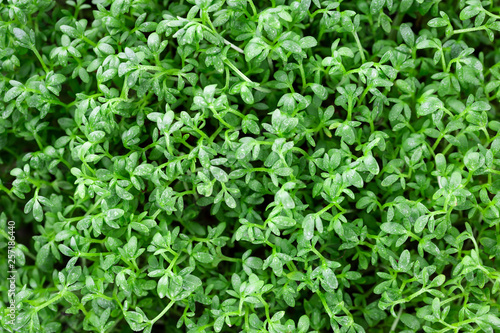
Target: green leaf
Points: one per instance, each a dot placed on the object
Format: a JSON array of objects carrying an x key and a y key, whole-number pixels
[
  {"x": 404, "y": 261},
  {"x": 229, "y": 200},
  {"x": 303, "y": 324},
  {"x": 285, "y": 199},
  {"x": 407, "y": 34},
  {"x": 353, "y": 178},
  {"x": 12, "y": 93},
  {"x": 346, "y": 132},
  {"x": 371, "y": 165},
  {"x": 410, "y": 321},
  {"x": 162, "y": 286},
  {"x": 421, "y": 223},
  {"x": 218, "y": 324},
  {"x": 389, "y": 180},
  {"x": 291, "y": 46},
  {"x": 106, "y": 48},
  {"x": 143, "y": 170},
  {"x": 131, "y": 247},
  {"x": 252, "y": 50},
  {"x": 319, "y": 91},
  {"x": 22, "y": 37},
  {"x": 70, "y": 31},
  {"x": 37, "y": 211},
  {"x": 469, "y": 11},
  {"x": 283, "y": 221},
  {"x": 114, "y": 214},
  {"x": 473, "y": 161},
  {"x": 119, "y": 7},
  {"x": 429, "y": 105},
  {"x": 393, "y": 228},
  {"x": 73, "y": 275},
  {"x": 246, "y": 95},
  {"x": 308, "y": 42},
  {"x": 437, "y": 22},
  {"x": 376, "y": 6},
  {"x": 203, "y": 257},
  {"x": 122, "y": 193},
  {"x": 219, "y": 174},
  {"x": 308, "y": 226}
]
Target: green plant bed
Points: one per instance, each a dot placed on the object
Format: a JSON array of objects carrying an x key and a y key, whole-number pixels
[{"x": 249, "y": 166}]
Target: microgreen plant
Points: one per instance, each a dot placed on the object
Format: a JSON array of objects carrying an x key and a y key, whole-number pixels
[{"x": 251, "y": 165}]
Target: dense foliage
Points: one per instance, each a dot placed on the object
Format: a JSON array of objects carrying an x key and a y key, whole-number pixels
[{"x": 251, "y": 165}]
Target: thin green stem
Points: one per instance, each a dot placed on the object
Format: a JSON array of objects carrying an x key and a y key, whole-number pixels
[
  {"x": 461, "y": 31},
  {"x": 41, "y": 60},
  {"x": 358, "y": 42},
  {"x": 254, "y": 10},
  {"x": 244, "y": 77},
  {"x": 396, "y": 321},
  {"x": 87, "y": 40},
  {"x": 158, "y": 317},
  {"x": 50, "y": 301}
]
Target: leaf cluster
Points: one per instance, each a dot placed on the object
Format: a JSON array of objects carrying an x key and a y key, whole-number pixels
[{"x": 249, "y": 165}]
